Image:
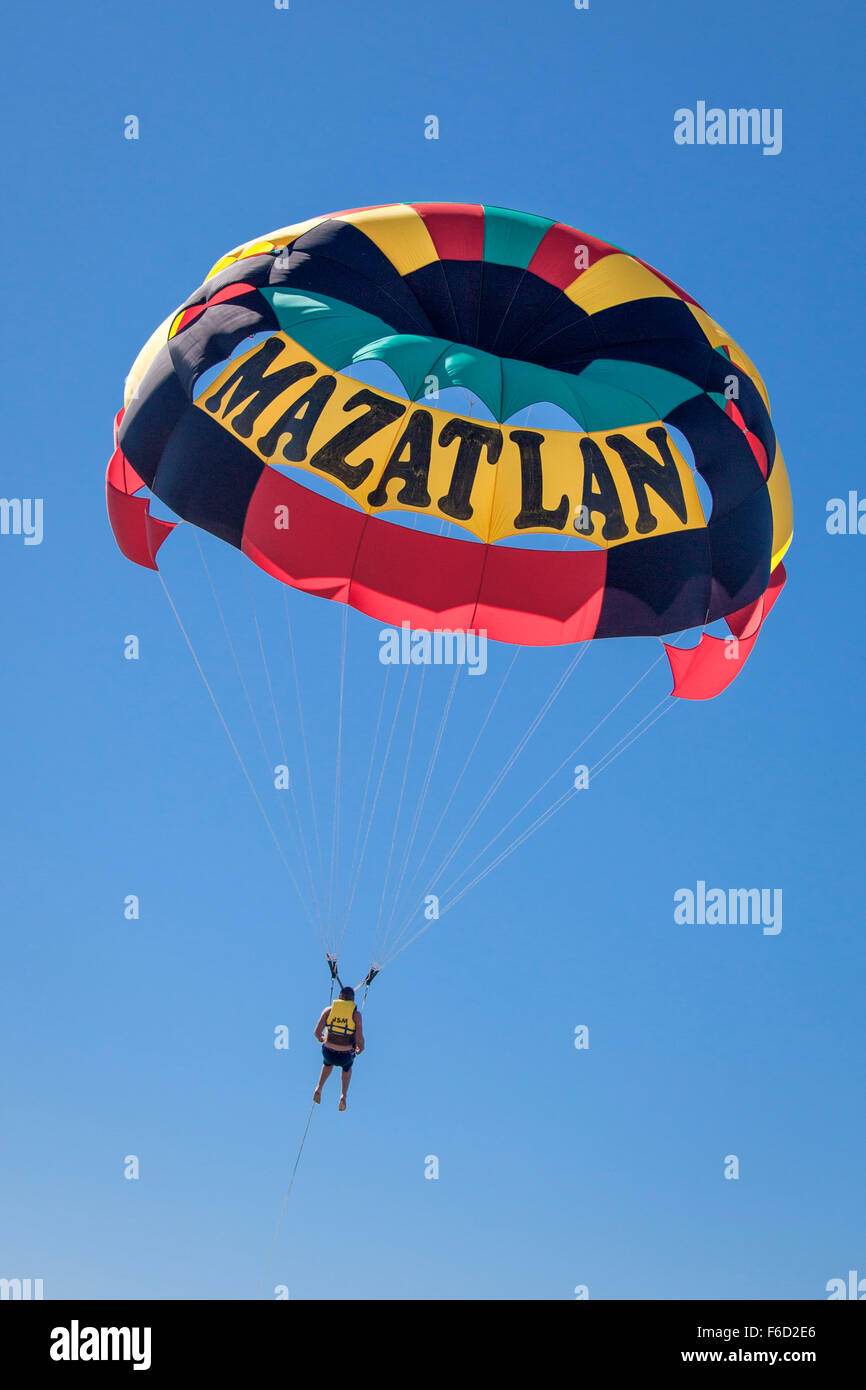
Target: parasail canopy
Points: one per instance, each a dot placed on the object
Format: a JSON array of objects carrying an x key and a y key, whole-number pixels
[{"x": 241, "y": 396}]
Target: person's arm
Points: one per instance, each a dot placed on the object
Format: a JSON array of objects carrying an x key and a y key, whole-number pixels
[
  {"x": 320, "y": 1026},
  {"x": 359, "y": 1032}
]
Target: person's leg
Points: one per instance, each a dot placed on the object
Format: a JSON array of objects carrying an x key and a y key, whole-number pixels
[
  {"x": 323, "y": 1076},
  {"x": 347, "y": 1077}
]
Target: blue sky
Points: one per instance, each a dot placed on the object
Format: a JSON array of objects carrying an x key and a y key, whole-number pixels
[{"x": 557, "y": 1167}]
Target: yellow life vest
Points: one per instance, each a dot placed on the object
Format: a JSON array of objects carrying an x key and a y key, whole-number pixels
[{"x": 341, "y": 1021}]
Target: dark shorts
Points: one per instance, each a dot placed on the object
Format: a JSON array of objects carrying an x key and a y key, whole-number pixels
[{"x": 338, "y": 1059}]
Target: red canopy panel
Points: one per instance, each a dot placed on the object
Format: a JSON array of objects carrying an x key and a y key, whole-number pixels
[
  {"x": 702, "y": 672},
  {"x": 538, "y": 598},
  {"x": 456, "y": 229},
  {"x": 138, "y": 534},
  {"x": 554, "y": 257}
]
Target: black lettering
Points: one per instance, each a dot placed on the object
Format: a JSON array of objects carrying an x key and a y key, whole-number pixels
[
  {"x": 331, "y": 458},
  {"x": 416, "y": 442},
  {"x": 532, "y": 511},
  {"x": 473, "y": 438},
  {"x": 250, "y": 384},
  {"x": 299, "y": 421},
  {"x": 644, "y": 472},
  {"x": 604, "y": 498}
]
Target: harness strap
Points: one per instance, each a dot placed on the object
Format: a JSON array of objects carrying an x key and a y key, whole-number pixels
[
  {"x": 366, "y": 983},
  {"x": 332, "y": 966}
]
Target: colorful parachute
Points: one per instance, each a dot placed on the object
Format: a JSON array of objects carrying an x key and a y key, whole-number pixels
[{"x": 519, "y": 311}]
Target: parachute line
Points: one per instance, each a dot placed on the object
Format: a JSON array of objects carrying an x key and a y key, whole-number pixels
[
  {"x": 593, "y": 771},
  {"x": 282, "y": 743},
  {"x": 385, "y": 758},
  {"x": 510, "y": 761},
  {"x": 257, "y": 723},
  {"x": 603, "y": 763},
  {"x": 406, "y": 764},
  {"x": 608, "y": 759},
  {"x": 335, "y": 827},
  {"x": 416, "y": 820},
  {"x": 490, "y": 708},
  {"x": 302, "y": 727},
  {"x": 355, "y": 868},
  {"x": 234, "y": 746}
]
